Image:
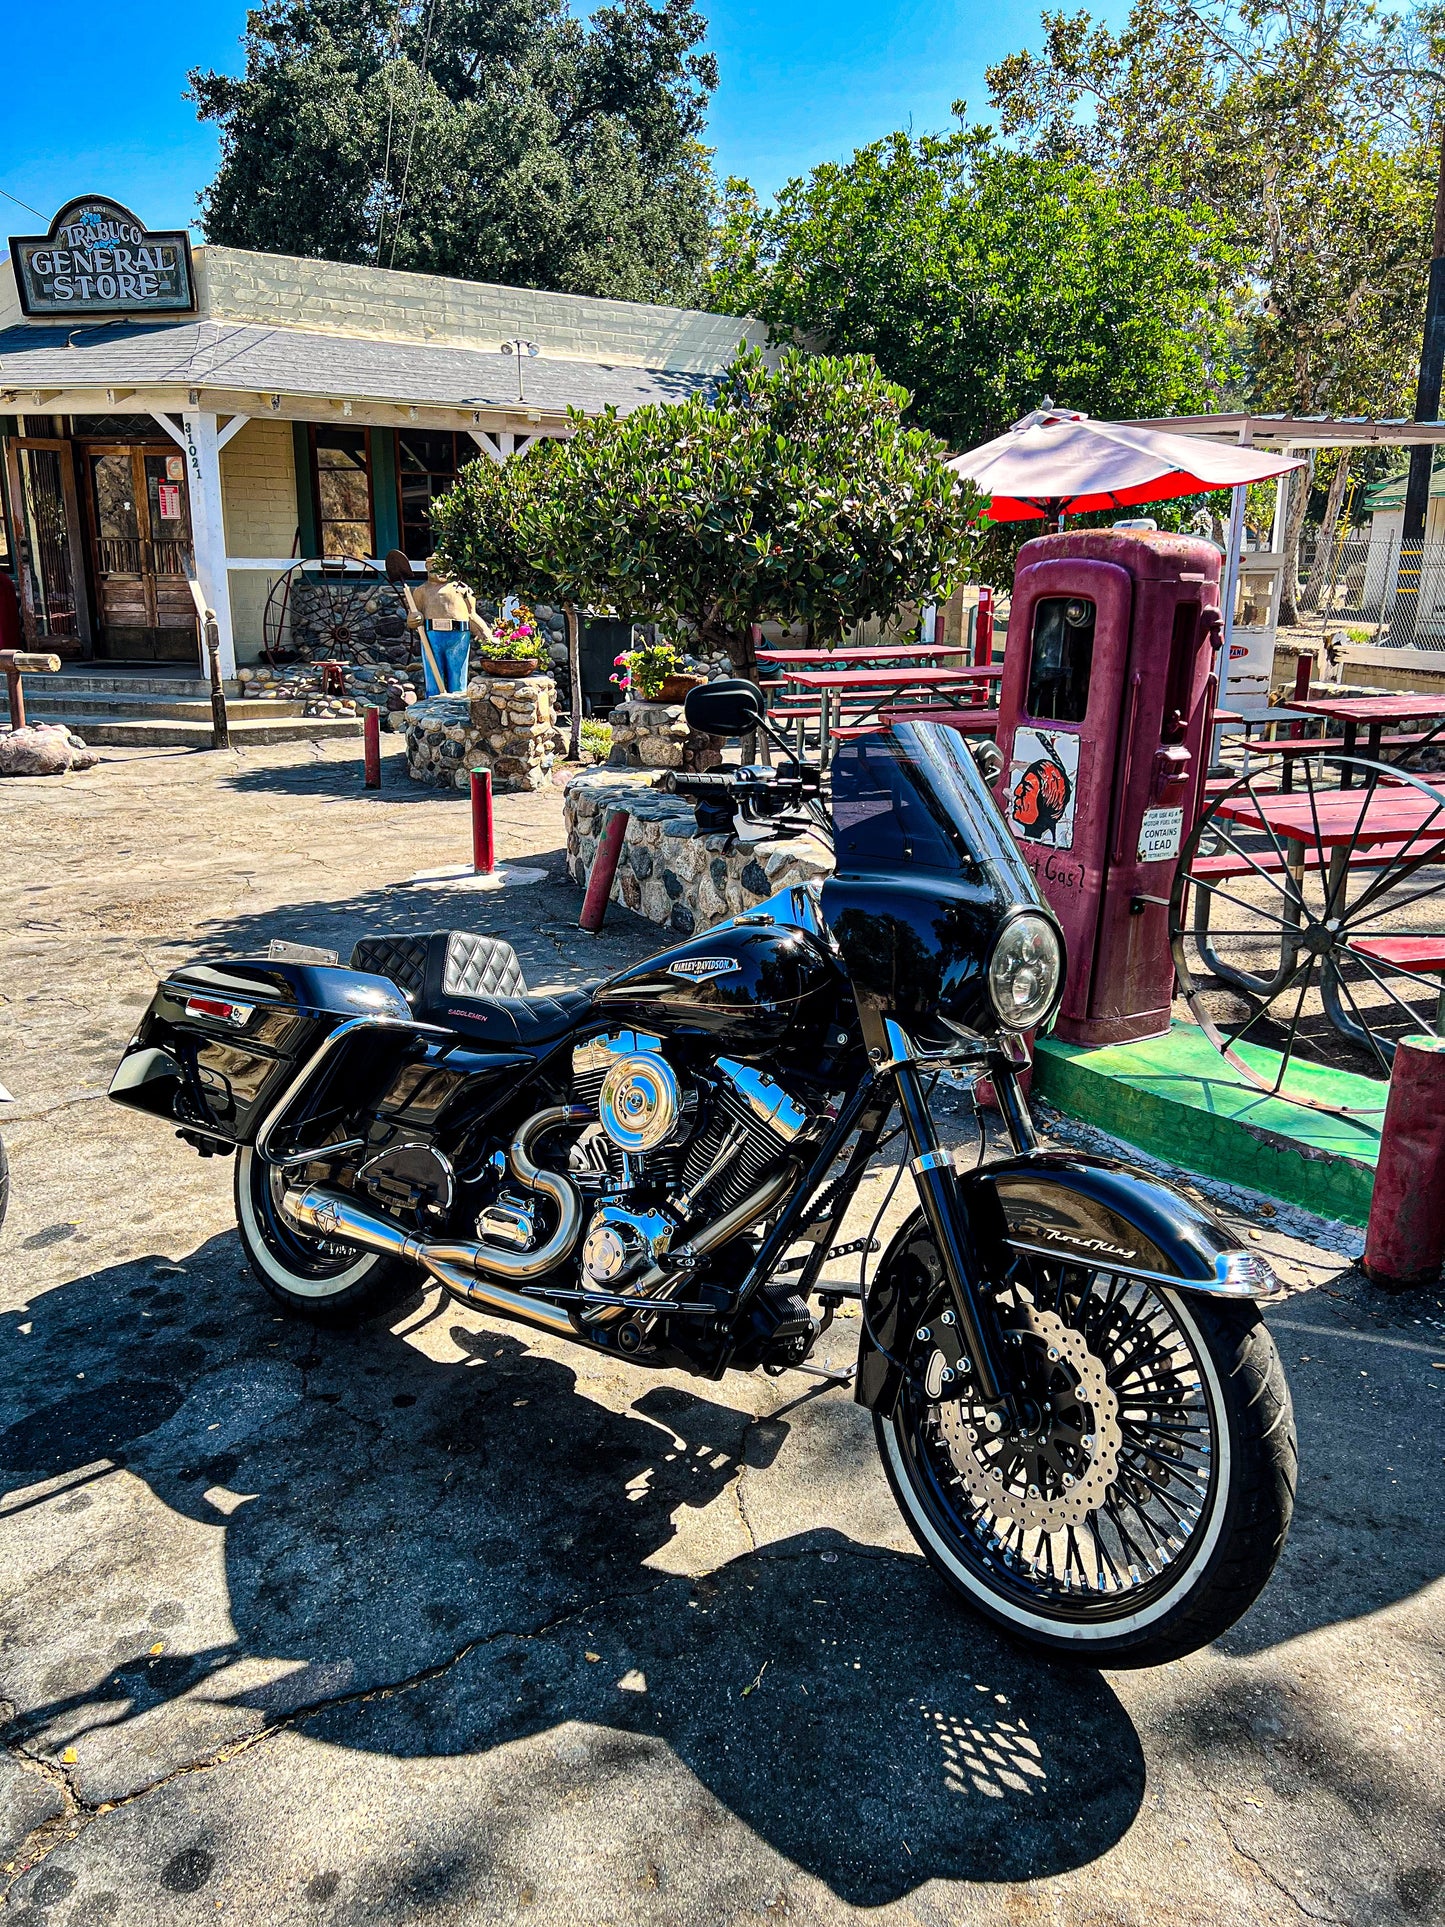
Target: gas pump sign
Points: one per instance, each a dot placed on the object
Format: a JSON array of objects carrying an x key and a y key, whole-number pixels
[
  {"x": 1160, "y": 834},
  {"x": 1043, "y": 784}
]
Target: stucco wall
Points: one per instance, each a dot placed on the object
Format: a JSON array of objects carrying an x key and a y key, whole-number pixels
[
  {"x": 336, "y": 298},
  {"x": 258, "y": 489}
]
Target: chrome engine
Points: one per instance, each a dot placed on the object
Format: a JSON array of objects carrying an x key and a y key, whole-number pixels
[{"x": 668, "y": 1152}]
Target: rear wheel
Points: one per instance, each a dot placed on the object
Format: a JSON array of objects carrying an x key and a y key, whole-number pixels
[
  {"x": 1142, "y": 1505},
  {"x": 319, "y": 1279}
]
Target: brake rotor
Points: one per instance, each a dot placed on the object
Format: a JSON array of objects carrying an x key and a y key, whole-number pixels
[{"x": 1055, "y": 1471}]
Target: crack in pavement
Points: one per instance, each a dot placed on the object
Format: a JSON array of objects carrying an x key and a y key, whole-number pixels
[
  {"x": 1280, "y": 1887},
  {"x": 39, "y": 1844}
]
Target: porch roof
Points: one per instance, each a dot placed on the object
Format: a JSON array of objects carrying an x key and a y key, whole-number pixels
[{"x": 241, "y": 357}]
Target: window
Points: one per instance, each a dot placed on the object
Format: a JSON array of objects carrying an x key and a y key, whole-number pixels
[
  {"x": 428, "y": 462},
  {"x": 1063, "y": 655},
  {"x": 342, "y": 460}
]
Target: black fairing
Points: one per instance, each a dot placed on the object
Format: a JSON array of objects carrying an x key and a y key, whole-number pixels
[
  {"x": 222, "y": 1076},
  {"x": 778, "y": 994},
  {"x": 927, "y": 874},
  {"x": 1097, "y": 1212}
]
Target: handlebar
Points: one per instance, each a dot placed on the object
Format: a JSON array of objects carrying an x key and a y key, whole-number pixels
[{"x": 755, "y": 792}]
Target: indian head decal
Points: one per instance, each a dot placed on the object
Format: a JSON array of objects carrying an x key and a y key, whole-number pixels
[{"x": 1043, "y": 777}]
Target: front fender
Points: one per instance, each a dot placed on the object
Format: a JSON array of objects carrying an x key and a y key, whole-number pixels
[{"x": 1074, "y": 1210}]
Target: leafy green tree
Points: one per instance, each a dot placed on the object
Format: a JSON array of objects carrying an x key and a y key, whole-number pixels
[
  {"x": 794, "y": 494},
  {"x": 984, "y": 279},
  {"x": 1310, "y": 134},
  {"x": 502, "y": 141}
]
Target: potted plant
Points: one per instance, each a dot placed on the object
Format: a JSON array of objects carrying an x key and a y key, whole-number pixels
[
  {"x": 515, "y": 647},
  {"x": 654, "y": 674}
]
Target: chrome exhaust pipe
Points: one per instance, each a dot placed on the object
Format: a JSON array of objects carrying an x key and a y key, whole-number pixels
[{"x": 336, "y": 1215}]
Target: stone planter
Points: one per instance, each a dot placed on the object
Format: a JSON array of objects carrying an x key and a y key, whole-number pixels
[
  {"x": 506, "y": 726},
  {"x": 656, "y": 736},
  {"x": 668, "y": 871}
]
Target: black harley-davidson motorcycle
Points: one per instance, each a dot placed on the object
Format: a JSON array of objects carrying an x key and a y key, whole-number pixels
[{"x": 1078, "y": 1407}]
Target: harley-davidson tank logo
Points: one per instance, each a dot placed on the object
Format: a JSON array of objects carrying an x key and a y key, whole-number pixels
[
  {"x": 700, "y": 967},
  {"x": 1072, "y": 1238}
]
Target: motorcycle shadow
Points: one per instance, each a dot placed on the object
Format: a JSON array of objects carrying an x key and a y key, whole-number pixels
[{"x": 433, "y": 1559}]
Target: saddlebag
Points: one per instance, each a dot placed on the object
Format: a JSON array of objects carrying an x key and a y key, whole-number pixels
[{"x": 221, "y": 1042}]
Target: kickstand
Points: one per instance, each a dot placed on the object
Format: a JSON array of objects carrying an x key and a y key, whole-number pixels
[{"x": 844, "y": 1377}]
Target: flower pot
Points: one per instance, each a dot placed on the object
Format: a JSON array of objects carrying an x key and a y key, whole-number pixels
[
  {"x": 673, "y": 689},
  {"x": 513, "y": 668}
]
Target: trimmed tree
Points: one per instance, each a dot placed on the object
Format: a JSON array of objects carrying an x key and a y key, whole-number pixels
[{"x": 794, "y": 494}]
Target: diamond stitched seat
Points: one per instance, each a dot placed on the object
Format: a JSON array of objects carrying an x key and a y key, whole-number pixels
[{"x": 474, "y": 984}]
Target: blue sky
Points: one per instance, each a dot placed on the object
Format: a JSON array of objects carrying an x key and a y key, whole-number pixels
[{"x": 93, "y": 95}]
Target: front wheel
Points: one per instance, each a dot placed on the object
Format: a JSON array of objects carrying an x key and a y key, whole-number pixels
[
  {"x": 319, "y": 1279},
  {"x": 1141, "y": 1505}
]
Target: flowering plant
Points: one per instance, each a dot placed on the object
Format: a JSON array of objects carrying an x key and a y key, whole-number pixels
[
  {"x": 517, "y": 636},
  {"x": 645, "y": 670}
]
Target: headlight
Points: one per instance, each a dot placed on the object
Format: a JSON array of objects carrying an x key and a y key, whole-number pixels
[{"x": 1025, "y": 971}]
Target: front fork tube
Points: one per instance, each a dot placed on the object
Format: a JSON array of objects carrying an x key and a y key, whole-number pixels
[{"x": 963, "y": 1266}]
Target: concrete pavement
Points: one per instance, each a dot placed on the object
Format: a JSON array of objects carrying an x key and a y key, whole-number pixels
[{"x": 441, "y": 1622}]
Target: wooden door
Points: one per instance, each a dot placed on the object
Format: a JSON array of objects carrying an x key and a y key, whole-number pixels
[
  {"x": 53, "y": 603},
  {"x": 140, "y": 535}
]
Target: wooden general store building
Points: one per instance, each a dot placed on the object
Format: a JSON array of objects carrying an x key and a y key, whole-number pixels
[{"x": 163, "y": 406}]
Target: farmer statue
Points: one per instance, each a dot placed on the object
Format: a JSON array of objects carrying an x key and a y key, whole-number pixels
[{"x": 443, "y": 612}]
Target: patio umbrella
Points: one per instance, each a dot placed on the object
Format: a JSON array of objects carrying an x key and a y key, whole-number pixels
[{"x": 1057, "y": 462}]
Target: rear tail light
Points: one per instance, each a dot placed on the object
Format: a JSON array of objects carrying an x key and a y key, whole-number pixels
[{"x": 219, "y": 1010}]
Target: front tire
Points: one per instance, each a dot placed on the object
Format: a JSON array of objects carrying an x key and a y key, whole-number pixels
[
  {"x": 323, "y": 1281},
  {"x": 1189, "y": 1496}
]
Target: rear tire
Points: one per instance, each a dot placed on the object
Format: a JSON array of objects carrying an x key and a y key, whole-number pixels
[
  {"x": 321, "y": 1280},
  {"x": 1217, "y": 1374}
]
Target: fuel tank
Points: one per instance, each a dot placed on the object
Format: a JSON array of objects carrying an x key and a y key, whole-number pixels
[{"x": 754, "y": 988}]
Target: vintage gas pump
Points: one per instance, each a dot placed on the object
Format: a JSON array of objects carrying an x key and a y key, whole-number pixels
[{"x": 1106, "y": 696}]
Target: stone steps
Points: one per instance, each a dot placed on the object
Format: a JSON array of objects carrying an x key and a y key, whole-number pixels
[
  {"x": 131, "y": 732},
  {"x": 100, "y": 682},
  {"x": 49, "y": 705}
]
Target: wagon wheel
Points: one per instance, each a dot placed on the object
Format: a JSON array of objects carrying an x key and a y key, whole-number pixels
[
  {"x": 1326, "y": 948},
  {"x": 337, "y": 600}
]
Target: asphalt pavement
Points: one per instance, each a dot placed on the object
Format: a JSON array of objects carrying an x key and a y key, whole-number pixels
[{"x": 440, "y": 1621}]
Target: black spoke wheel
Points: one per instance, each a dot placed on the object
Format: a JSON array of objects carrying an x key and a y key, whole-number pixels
[{"x": 1141, "y": 1504}]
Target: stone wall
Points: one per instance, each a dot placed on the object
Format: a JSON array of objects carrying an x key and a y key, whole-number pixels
[
  {"x": 669, "y": 872},
  {"x": 654, "y": 736},
  {"x": 509, "y": 728},
  {"x": 360, "y": 619}
]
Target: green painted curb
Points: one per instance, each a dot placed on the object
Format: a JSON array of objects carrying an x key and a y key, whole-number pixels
[{"x": 1176, "y": 1098}]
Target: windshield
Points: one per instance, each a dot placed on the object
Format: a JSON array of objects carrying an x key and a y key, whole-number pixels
[{"x": 912, "y": 798}]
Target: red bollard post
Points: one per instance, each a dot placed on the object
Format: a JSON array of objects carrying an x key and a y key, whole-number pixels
[
  {"x": 604, "y": 870},
  {"x": 1304, "y": 670},
  {"x": 978, "y": 695},
  {"x": 983, "y": 629},
  {"x": 371, "y": 747},
  {"x": 484, "y": 859},
  {"x": 1405, "y": 1241}
]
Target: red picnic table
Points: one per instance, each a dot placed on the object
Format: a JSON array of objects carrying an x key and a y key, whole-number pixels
[
  {"x": 889, "y": 652},
  {"x": 881, "y": 685},
  {"x": 1391, "y": 830},
  {"x": 1373, "y": 711}
]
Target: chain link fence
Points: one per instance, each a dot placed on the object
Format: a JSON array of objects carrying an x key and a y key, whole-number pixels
[{"x": 1360, "y": 576}]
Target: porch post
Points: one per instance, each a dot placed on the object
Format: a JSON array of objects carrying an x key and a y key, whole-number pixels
[{"x": 208, "y": 528}]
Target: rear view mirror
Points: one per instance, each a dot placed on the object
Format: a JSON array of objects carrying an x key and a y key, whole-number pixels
[
  {"x": 398, "y": 566},
  {"x": 731, "y": 707}
]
